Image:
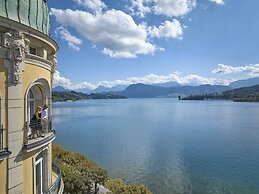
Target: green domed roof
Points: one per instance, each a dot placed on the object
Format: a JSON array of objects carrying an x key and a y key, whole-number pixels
[{"x": 33, "y": 13}]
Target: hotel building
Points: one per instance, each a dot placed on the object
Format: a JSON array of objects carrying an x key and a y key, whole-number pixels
[{"x": 27, "y": 63}]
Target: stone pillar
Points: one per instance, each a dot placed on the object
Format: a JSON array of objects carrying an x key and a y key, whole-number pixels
[
  {"x": 15, "y": 136},
  {"x": 17, "y": 47}
]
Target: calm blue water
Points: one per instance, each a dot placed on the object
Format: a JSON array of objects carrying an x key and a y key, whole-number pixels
[{"x": 173, "y": 147}]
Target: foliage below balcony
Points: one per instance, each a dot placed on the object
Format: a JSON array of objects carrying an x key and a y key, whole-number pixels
[
  {"x": 117, "y": 186},
  {"x": 80, "y": 175}
]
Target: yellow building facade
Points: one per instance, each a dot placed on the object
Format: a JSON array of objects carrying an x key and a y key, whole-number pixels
[{"x": 27, "y": 64}]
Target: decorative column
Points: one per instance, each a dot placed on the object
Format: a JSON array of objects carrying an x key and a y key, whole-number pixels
[
  {"x": 16, "y": 46},
  {"x": 53, "y": 70},
  {"x": 53, "y": 67}
]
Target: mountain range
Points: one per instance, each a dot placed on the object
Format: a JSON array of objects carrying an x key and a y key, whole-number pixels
[
  {"x": 244, "y": 94},
  {"x": 244, "y": 83},
  {"x": 151, "y": 91},
  {"x": 59, "y": 89},
  {"x": 117, "y": 88},
  {"x": 169, "y": 89}
]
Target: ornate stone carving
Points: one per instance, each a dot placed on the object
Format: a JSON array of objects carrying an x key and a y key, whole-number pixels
[
  {"x": 54, "y": 65},
  {"x": 18, "y": 47}
]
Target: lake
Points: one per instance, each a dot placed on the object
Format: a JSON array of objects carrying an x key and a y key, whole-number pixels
[{"x": 171, "y": 146}]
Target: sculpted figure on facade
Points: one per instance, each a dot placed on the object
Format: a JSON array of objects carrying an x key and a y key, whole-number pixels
[
  {"x": 18, "y": 47},
  {"x": 54, "y": 65}
]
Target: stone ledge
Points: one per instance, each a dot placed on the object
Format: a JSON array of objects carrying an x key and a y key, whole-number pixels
[
  {"x": 39, "y": 143},
  {"x": 4, "y": 154}
]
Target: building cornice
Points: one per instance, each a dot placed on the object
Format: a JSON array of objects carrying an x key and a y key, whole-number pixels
[
  {"x": 11, "y": 24},
  {"x": 38, "y": 61}
]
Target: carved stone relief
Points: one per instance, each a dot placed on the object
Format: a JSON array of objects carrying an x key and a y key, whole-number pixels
[
  {"x": 54, "y": 65},
  {"x": 17, "y": 48}
]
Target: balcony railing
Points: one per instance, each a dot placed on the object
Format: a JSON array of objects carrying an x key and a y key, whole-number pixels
[
  {"x": 57, "y": 186},
  {"x": 38, "y": 128},
  {"x": 1, "y": 137},
  {"x": 38, "y": 133},
  {"x": 4, "y": 153}
]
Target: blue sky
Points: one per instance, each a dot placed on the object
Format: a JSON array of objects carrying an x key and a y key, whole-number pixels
[{"x": 193, "y": 42}]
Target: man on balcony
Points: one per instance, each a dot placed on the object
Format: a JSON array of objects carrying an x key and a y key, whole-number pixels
[{"x": 44, "y": 118}]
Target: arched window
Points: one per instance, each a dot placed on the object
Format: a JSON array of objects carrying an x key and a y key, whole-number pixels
[
  {"x": 30, "y": 105},
  {"x": 38, "y": 95}
]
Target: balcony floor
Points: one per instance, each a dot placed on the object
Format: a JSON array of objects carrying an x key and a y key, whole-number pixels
[
  {"x": 38, "y": 142},
  {"x": 34, "y": 140}
]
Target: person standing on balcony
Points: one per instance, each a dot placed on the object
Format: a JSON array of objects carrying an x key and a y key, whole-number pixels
[
  {"x": 35, "y": 123},
  {"x": 44, "y": 118}
]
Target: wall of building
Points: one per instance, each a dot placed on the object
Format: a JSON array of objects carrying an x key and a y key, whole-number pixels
[
  {"x": 17, "y": 172},
  {"x": 28, "y": 169},
  {"x": 50, "y": 164},
  {"x": 3, "y": 163},
  {"x": 3, "y": 176},
  {"x": 28, "y": 172},
  {"x": 31, "y": 74},
  {"x": 3, "y": 97}
]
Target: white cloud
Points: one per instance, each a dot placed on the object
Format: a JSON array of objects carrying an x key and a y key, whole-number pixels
[
  {"x": 147, "y": 79},
  {"x": 94, "y": 5},
  {"x": 220, "y": 2},
  {"x": 173, "y": 7},
  {"x": 140, "y": 7},
  {"x": 58, "y": 80},
  {"x": 170, "y": 8},
  {"x": 167, "y": 29},
  {"x": 115, "y": 31},
  {"x": 73, "y": 42},
  {"x": 251, "y": 70}
]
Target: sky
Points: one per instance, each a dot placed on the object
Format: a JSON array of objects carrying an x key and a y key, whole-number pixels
[{"x": 122, "y": 42}]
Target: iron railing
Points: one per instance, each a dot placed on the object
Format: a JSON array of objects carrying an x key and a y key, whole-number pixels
[
  {"x": 4, "y": 153},
  {"x": 37, "y": 129},
  {"x": 56, "y": 186},
  {"x": 1, "y": 138}
]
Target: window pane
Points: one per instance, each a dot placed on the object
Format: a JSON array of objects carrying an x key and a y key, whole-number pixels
[{"x": 38, "y": 178}]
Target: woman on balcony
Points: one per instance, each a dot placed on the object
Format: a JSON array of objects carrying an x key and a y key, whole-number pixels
[{"x": 35, "y": 123}]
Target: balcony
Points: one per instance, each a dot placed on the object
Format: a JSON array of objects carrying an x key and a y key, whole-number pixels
[
  {"x": 4, "y": 153},
  {"x": 38, "y": 134},
  {"x": 57, "y": 186}
]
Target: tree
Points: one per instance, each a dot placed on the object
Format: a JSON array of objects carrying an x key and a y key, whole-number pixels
[
  {"x": 117, "y": 186},
  {"x": 78, "y": 173}
]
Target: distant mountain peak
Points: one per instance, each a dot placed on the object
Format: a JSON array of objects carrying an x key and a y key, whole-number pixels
[
  {"x": 168, "y": 84},
  {"x": 59, "y": 89},
  {"x": 104, "y": 89}
]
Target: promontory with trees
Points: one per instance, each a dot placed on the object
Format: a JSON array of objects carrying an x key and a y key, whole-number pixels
[
  {"x": 73, "y": 96},
  {"x": 245, "y": 94}
]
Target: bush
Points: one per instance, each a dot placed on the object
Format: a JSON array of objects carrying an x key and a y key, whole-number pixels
[
  {"x": 117, "y": 186},
  {"x": 80, "y": 174}
]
